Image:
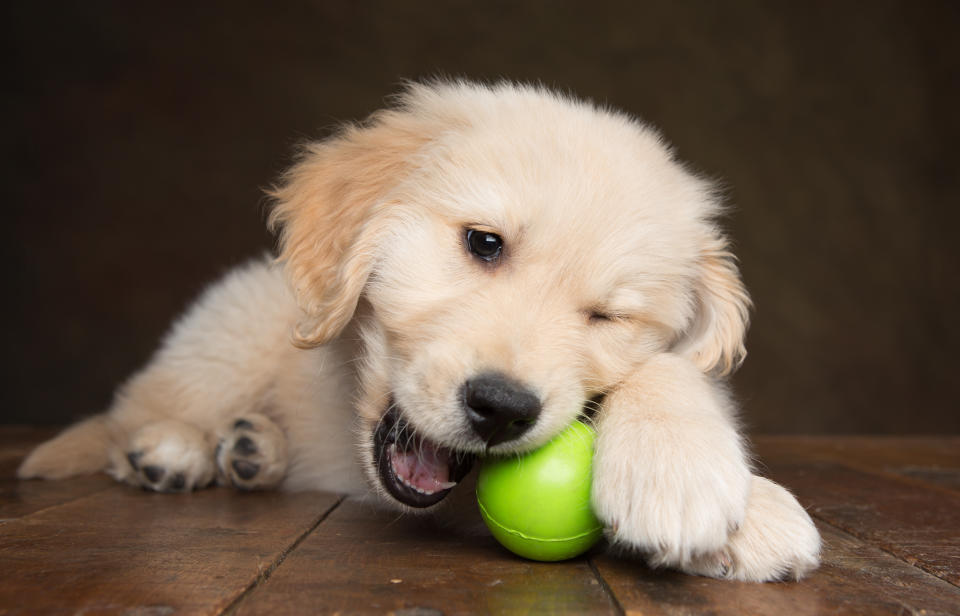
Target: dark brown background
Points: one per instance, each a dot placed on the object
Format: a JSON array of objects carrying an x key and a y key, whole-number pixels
[{"x": 138, "y": 137}]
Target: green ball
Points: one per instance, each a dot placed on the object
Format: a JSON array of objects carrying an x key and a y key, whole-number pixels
[{"x": 538, "y": 504}]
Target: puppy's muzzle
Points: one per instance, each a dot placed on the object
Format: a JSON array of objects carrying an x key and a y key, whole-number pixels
[{"x": 499, "y": 408}]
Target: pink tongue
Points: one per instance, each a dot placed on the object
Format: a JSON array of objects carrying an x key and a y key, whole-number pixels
[{"x": 424, "y": 468}]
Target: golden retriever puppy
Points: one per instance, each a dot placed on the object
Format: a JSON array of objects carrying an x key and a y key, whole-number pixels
[{"x": 466, "y": 273}]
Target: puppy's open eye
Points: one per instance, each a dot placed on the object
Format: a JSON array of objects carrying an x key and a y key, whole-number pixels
[{"x": 484, "y": 245}]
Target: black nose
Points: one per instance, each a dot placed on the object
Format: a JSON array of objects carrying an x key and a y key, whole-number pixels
[{"x": 499, "y": 408}]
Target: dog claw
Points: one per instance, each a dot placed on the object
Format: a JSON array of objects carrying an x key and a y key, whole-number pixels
[{"x": 726, "y": 565}]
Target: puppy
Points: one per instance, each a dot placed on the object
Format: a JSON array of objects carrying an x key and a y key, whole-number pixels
[{"x": 465, "y": 274}]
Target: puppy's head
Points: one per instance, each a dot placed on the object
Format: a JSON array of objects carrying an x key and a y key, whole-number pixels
[{"x": 516, "y": 254}]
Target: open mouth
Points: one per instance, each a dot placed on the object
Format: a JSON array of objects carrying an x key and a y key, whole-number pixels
[{"x": 415, "y": 470}]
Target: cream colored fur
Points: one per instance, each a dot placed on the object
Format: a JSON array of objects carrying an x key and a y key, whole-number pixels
[{"x": 384, "y": 303}]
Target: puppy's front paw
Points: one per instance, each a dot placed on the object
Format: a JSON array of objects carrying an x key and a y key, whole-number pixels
[
  {"x": 165, "y": 456},
  {"x": 777, "y": 540},
  {"x": 671, "y": 496},
  {"x": 252, "y": 454}
]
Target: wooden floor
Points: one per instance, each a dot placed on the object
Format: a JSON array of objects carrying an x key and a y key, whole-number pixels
[{"x": 888, "y": 508}]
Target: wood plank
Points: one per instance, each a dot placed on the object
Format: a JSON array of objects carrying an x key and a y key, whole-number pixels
[
  {"x": 933, "y": 459},
  {"x": 21, "y": 498},
  {"x": 855, "y": 578},
  {"x": 91, "y": 545},
  {"x": 368, "y": 561},
  {"x": 943, "y": 477},
  {"x": 124, "y": 550},
  {"x": 18, "y": 439},
  {"x": 917, "y": 523}
]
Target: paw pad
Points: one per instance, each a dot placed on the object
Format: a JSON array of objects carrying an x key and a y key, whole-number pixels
[
  {"x": 245, "y": 470},
  {"x": 134, "y": 458},
  {"x": 151, "y": 476},
  {"x": 244, "y": 446},
  {"x": 166, "y": 456},
  {"x": 154, "y": 474},
  {"x": 252, "y": 454},
  {"x": 236, "y": 457}
]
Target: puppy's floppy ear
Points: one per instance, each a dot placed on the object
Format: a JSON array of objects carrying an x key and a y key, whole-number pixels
[
  {"x": 329, "y": 212},
  {"x": 714, "y": 339}
]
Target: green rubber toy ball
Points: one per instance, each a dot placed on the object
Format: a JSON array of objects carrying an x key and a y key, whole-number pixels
[{"x": 537, "y": 505}]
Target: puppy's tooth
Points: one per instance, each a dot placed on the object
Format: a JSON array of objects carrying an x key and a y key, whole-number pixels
[{"x": 414, "y": 488}]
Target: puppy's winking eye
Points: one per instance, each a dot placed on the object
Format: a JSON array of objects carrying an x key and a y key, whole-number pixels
[
  {"x": 484, "y": 245},
  {"x": 599, "y": 315}
]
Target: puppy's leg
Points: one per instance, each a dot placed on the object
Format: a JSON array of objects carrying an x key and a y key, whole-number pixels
[
  {"x": 777, "y": 540},
  {"x": 219, "y": 361},
  {"x": 165, "y": 456},
  {"x": 139, "y": 440},
  {"x": 671, "y": 477},
  {"x": 79, "y": 450},
  {"x": 252, "y": 453}
]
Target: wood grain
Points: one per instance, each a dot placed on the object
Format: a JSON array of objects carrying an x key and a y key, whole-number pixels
[
  {"x": 365, "y": 561},
  {"x": 917, "y": 523},
  {"x": 898, "y": 493},
  {"x": 20, "y": 498},
  {"x": 887, "y": 508},
  {"x": 855, "y": 578},
  {"x": 123, "y": 550},
  {"x": 934, "y": 459}
]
